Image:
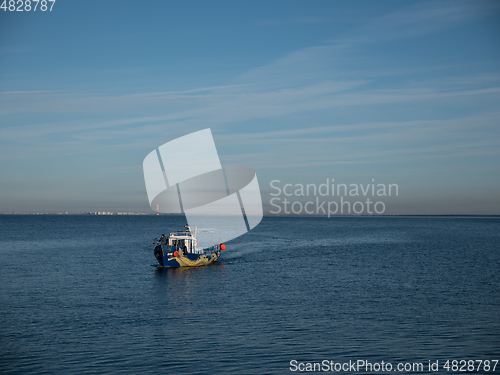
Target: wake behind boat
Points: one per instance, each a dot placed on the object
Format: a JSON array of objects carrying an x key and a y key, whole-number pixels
[{"x": 182, "y": 249}]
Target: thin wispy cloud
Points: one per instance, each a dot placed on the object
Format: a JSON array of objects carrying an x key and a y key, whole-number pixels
[
  {"x": 411, "y": 21},
  {"x": 296, "y": 21}
]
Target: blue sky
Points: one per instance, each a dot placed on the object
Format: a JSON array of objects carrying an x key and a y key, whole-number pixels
[{"x": 399, "y": 92}]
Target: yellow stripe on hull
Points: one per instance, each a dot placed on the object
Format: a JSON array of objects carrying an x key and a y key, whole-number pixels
[{"x": 203, "y": 260}]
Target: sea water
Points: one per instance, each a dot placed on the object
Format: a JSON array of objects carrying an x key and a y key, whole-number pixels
[{"x": 79, "y": 295}]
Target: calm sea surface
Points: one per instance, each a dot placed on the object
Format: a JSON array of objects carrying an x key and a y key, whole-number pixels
[{"x": 78, "y": 295}]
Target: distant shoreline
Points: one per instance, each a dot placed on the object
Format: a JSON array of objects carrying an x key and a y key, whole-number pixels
[{"x": 266, "y": 215}]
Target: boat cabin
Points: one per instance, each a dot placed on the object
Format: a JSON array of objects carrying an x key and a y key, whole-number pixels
[{"x": 183, "y": 241}]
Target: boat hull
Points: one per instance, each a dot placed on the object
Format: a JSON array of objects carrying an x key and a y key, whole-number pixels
[{"x": 187, "y": 260}]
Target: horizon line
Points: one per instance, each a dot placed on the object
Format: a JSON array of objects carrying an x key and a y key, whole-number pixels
[{"x": 118, "y": 213}]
